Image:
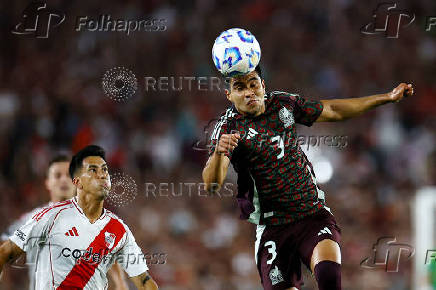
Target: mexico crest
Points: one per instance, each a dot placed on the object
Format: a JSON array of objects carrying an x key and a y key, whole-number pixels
[{"x": 286, "y": 117}]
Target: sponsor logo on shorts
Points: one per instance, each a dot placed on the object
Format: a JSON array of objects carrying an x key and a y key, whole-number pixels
[{"x": 275, "y": 276}]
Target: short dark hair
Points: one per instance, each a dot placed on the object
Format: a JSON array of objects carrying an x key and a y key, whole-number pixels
[
  {"x": 256, "y": 69},
  {"x": 59, "y": 158},
  {"x": 90, "y": 150},
  {"x": 259, "y": 71}
]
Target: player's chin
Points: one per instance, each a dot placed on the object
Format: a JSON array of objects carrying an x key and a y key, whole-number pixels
[
  {"x": 103, "y": 193},
  {"x": 253, "y": 109}
]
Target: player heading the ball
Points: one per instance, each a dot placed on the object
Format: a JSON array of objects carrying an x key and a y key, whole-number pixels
[{"x": 277, "y": 188}]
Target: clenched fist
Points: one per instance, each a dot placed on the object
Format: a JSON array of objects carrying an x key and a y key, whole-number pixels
[
  {"x": 401, "y": 91},
  {"x": 227, "y": 143}
]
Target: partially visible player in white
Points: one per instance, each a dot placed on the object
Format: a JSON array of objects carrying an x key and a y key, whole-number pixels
[
  {"x": 59, "y": 186},
  {"x": 77, "y": 241}
]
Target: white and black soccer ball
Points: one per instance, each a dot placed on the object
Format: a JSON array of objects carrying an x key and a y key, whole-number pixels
[{"x": 236, "y": 52}]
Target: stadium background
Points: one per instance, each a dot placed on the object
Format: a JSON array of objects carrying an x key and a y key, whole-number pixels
[{"x": 51, "y": 98}]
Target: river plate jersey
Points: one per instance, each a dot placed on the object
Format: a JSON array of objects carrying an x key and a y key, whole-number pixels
[
  {"x": 276, "y": 182},
  {"x": 72, "y": 253}
]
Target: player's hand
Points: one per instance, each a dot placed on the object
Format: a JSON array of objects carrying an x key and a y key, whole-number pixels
[
  {"x": 401, "y": 91},
  {"x": 227, "y": 143}
]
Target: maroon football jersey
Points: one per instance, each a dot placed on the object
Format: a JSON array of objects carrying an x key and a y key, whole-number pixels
[{"x": 276, "y": 182}]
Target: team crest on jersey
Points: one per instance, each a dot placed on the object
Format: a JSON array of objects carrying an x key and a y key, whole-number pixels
[
  {"x": 275, "y": 275},
  {"x": 109, "y": 239},
  {"x": 286, "y": 117}
]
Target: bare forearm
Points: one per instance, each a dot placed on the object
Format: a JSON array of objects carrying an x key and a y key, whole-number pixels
[
  {"x": 144, "y": 282},
  {"x": 338, "y": 110},
  {"x": 348, "y": 108},
  {"x": 215, "y": 171}
]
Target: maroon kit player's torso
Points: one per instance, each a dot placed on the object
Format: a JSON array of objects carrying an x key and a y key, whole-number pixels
[{"x": 276, "y": 183}]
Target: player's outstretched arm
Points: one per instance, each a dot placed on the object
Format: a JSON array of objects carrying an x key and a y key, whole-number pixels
[
  {"x": 9, "y": 252},
  {"x": 118, "y": 277},
  {"x": 342, "y": 109},
  {"x": 217, "y": 165},
  {"x": 144, "y": 282}
]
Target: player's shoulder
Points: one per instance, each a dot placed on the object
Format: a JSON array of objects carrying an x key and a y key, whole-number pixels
[
  {"x": 117, "y": 219},
  {"x": 281, "y": 95},
  {"x": 51, "y": 210},
  {"x": 228, "y": 114}
]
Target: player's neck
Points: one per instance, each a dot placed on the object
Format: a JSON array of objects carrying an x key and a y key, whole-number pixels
[{"x": 92, "y": 206}]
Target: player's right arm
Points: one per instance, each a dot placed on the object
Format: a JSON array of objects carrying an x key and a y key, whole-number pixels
[
  {"x": 217, "y": 165},
  {"x": 9, "y": 252},
  {"x": 144, "y": 282}
]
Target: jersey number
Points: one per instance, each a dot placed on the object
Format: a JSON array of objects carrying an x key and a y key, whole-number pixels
[
  {"x": 280, "y": 144},
  {"x": 271, "y": 250}
]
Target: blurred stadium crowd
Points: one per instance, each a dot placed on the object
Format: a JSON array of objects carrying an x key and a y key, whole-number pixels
[{"x": 51, "y": 99}]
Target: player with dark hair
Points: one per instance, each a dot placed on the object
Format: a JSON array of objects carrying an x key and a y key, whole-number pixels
[
  {"x": 77, "y": 241},
  {"x": 277, "y": 188},
  {"x": 60, "y": 188}
]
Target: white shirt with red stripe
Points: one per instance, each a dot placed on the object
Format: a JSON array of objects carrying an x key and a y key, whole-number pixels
[{"x": 73, "y": 253}]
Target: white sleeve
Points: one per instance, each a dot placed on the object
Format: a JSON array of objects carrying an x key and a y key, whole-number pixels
[
  {"x": 18, "y": 224},
  {"x": 31, "y": 233},
  {"x": 130, "y": 256}
]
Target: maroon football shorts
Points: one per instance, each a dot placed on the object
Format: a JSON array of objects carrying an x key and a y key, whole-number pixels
[{"x": 280, "y": 249}]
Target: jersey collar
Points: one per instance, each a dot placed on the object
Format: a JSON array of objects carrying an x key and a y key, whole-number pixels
[{"x": 79, "y": 209}]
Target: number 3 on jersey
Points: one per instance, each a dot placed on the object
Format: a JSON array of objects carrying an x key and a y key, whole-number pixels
[
  {"x": 271, "y": 250},
  {"x": 280, "y": 144}
]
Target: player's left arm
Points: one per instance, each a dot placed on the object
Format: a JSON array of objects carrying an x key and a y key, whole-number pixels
[
  {"x": 342, "y": 109},
  {"x": 144, "y": 282}
]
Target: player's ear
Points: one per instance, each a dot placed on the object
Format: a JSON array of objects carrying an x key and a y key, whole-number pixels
[
  {"x": 46, "y": 183},
  {"x": 228, "y": 94},
  {"x": 77, "y": 183},
  {"x": 263, "y": 84}
]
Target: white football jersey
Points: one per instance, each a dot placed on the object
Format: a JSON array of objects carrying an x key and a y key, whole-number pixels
[{"x": 73, "y": 253}]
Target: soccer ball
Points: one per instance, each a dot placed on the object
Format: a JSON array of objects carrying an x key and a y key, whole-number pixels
[{"x": 236, "y": 52}]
